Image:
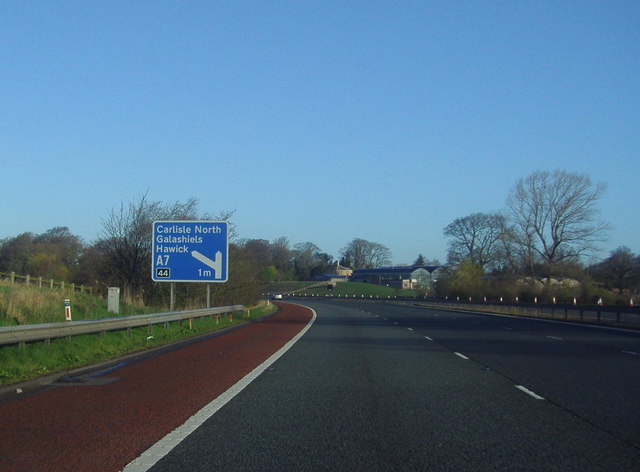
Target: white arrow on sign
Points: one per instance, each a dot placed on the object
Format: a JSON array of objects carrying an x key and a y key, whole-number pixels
[{"x": 214, "y": 264}]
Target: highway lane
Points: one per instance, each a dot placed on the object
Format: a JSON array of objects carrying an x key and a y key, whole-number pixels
[
  {"x": 102, "y": 418},
  {"x": 383, "y": 387},
  {"x": 593, "y": 372}
]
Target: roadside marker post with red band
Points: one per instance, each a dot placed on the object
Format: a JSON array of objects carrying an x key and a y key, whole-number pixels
[{"x": 67, "y": 309}]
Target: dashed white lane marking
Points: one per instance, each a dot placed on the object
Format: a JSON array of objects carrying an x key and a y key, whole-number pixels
[
  {"x": 410, "y": 329},
  {"x": 461, "y": 356},
  {"x": 632, "y": 353},
  {"x": 529, "y": 392},
  {"x": 160, "y": 449},
  {"x": 428, "y": 338},
  {"x": 555, "y": 338}
]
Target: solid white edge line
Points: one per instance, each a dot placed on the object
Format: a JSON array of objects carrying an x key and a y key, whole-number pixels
[
  {"x": 160, "y": 449},
  {"x": 529, "y": 392},
  {"x": 462, "y": 356}
]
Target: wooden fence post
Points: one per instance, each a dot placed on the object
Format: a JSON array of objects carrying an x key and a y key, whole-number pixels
[{"x": 40, "y": 282}]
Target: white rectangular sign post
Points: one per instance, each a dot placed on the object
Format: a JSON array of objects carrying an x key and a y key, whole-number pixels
[
  {"x": 67, "y": 309},
  {"x": 190, "y": 251}
]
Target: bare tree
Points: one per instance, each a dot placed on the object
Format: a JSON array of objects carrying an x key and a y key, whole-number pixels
[
  {"x": 281, "y": 254},
  {"x": 63, "y": 243},
  {"x": 259, "y": 250},
  {"x": 15, "y": 252},
  {"x": 363, "y": 254},
  {"x": 53, "y": 254},
  {"x": 125, "y": 239},
  {"x": 555, "y": 217},
  {"x": 477, "y": 238},
  {"x": 305, "y": 258}
]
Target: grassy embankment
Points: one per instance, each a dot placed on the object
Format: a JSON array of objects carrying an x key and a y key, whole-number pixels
[
  {"x": 341, "y": 289},
  {"x": 21, "y": 304},
  {"x": 30, "y": 305}
]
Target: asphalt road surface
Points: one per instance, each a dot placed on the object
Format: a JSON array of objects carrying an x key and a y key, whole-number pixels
[
  {"x": 364, "y": 387},
  {"x": 380, "y": 387},
  {"x": 102, "y": 419}
]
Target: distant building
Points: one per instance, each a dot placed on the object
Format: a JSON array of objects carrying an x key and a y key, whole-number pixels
[
  {"x": 340, "y": 270},
  {"x": 336, "y": 273},
  {"x": 405, "y": 277}
]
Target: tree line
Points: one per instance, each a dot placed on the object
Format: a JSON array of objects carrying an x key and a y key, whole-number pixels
[
  {"x": 550, "y": 226},
  {"x": 121, "y": 256}
]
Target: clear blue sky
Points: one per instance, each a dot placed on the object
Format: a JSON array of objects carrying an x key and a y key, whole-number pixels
[{"x": 321, "y": 121}]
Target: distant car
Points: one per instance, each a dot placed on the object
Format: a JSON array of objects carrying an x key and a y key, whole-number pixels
[{"x": 277, "y": 296}]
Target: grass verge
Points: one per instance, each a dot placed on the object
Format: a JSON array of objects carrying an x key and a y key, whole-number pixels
[
  {"x": 31, "y": 305},
  {"x": 37, "y": 359},
  {"x": 357, "y": 290}
]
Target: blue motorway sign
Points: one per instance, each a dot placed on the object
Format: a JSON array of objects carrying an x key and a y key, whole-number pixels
[{"x": 190, "y": 251}]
